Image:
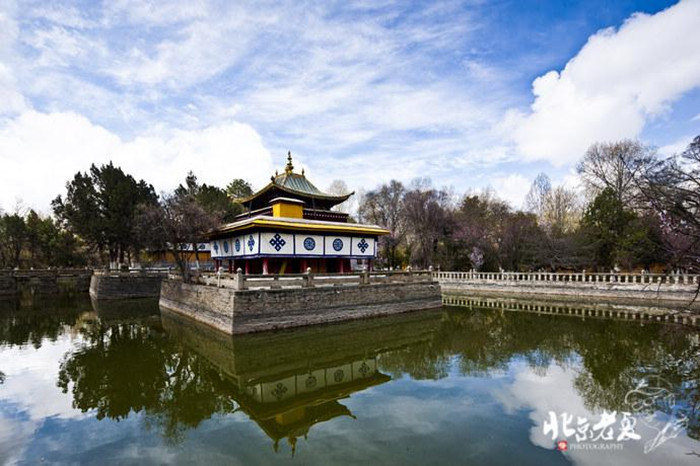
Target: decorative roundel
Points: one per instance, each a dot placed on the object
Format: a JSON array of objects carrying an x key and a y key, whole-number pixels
[
  {"x": 237, "y": 245},
  {"x": 338, "y": 244},
  {"x": 216, "y": 246},
  {"x": 311, "y": 381},
  {"x": 364, "y": 369},
  {"x": 225, "y": 246},
  {"x": 309, "y": 244}
]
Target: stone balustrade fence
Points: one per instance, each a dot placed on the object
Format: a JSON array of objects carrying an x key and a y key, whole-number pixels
[
  {"x": 160, "y": 272},
  {"x": 582, "y": 277},
  {"x": 240, "y": 281}
]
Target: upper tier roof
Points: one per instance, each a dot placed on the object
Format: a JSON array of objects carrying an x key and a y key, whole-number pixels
[{"x": 294, "y": 185}]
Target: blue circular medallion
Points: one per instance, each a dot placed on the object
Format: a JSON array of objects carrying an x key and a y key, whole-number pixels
[
  {"x": 237, "y": 245},
  {"x": 225, "y": 246},
  {"x": 216, "y": 247},
  {"x": 338, "y": 244},
  {"x": 309, "y": 244}
]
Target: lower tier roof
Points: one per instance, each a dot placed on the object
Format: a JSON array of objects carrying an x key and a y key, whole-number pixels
[{"x": 296, "y": 224}]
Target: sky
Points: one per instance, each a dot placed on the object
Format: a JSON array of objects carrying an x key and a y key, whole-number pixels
[{"x": 470, "y": 94}]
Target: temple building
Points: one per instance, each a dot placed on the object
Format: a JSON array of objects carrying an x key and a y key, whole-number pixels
[{"x": 288, "y": 226}]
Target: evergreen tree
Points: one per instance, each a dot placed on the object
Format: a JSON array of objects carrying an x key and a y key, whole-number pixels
[{"x": 100, "y": 207}]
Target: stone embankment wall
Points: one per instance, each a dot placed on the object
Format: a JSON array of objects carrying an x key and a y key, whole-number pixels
[
  {"x": 646, "y": 289},
  {"x": 574, "y": 308},
  {"x": 125, "y": 286},
  {"x": 8, "y": 285},
  {"x": 246, "y": 311},
  {"x": 44, "y": 282}
]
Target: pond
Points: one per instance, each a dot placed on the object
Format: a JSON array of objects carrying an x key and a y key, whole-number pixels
[{"x": 125, "y": 384}]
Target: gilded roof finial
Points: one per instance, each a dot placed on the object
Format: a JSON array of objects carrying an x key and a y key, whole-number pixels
[
  {"x": 302, "y": 172},
  {"x": 289, "y": 168}
]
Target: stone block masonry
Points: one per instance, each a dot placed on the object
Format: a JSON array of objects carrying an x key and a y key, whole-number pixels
[
  {"x": 567, "y": 306},
  {"x": 44, "y": 282},
  {"x": 247, "y": 311},
  {"x": 8, "y": 285},
  {"x": 125, "y": 286}
]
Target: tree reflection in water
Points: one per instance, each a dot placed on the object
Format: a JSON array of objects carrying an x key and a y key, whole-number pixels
[
  {"x": 179, "y": 378},
  {"x": 42, "y": 319},
  {"x": 127, "y": 368},
  {"x": 614, "y": 356}
]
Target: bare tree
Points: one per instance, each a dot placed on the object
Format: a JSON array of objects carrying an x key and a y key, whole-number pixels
[
  {"x": 558, "y": 209},
  {"x": 384, "y": 206},
  {"x": 425, "y": 210},
  {"x": 615, "y": 165},
  {"x": 173, "y": 224},
  {"x": 672, "y": 188},
  {"x": 562, "y": 211},
  {"x": 537, "y": 196}
]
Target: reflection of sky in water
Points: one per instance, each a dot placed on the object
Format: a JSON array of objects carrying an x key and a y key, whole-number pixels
[{"x": 493, "y": 418}]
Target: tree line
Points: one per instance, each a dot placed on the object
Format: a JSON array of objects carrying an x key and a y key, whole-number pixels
[
  {"x": 638, "y": 211},
  {"x": 108, "y": 217}
]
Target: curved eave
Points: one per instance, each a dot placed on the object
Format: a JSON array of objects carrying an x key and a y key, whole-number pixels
[
  {"x": 271, "y": 185},
  {"x": 282, "y": 223}
]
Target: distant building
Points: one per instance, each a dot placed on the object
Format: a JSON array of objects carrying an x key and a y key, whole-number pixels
[
  {"x": 288, "y": 227},
  {"x": 165, "y": 258}
]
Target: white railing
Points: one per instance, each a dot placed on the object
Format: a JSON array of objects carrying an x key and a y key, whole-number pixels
[
  {"x": 30, "y": 273},
  {"x": 240, "y": 281},
  {"x": 134, "y": 273},
  {"x": 560, "y": 278}
]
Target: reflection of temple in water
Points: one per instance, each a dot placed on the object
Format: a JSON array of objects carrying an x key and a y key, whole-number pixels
[
  {"x": 287, "y": 382},
  {"x": 289, "y": 406}
]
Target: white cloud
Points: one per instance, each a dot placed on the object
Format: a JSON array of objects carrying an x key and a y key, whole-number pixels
[
  {"x": 150, "y": 13},
  {"x": 13, "y": 101},
  {"x": 48, "y": 149},
  {"x": 511, "y": 188},
  {"x": 30, "y": 395},
  {"x": 676, "y": 147},
  {"x": 30, "y": 382},
  {"x": 335, "y": 85},
  {"x": 573, "y": 182},
  {"x": 347, "y": 87},
  {"x": 15, "y": 436},
  {"x": 617, "y": 82},
  {"x": 9, "y": 30}
]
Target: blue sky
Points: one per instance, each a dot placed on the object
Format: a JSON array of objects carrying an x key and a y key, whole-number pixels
[{"x": 468, "y": 93}]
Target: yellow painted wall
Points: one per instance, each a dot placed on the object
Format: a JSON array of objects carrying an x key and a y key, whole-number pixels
[
  {"x": 167, "y": 256},
  {"x": 284, "y": 209}
]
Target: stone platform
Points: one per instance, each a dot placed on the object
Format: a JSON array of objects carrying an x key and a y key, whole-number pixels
[
  {"x": 125, "y": 285},
  {"x": 285, "y": 302}
]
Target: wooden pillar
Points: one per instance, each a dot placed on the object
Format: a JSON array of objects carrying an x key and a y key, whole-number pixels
[
  {"x": 247, "y": 267},
  {"x": 341, "y": 266},
  {"x": 265, "y": 269},
  {"x": 230, "y": 266},
  {"x": 303, "y": 266}
]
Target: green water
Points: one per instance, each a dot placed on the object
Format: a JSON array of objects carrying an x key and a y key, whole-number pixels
[{"x": 125, "y": 384}]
